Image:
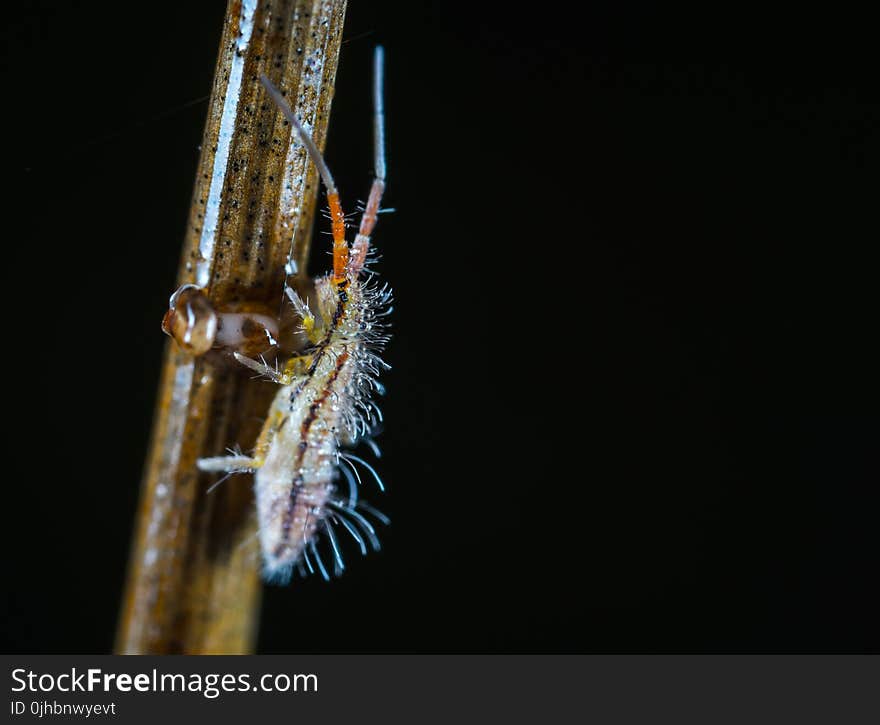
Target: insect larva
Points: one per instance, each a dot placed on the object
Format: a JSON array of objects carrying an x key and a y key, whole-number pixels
[{"x": 324, "y": 402}]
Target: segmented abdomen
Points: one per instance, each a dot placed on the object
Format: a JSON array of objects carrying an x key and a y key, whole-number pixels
[{"x": 296, "y": 479}]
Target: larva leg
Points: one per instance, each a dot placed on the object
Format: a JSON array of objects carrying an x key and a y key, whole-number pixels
[
  {"x": 285, "y": 376},
  {"x": 239, "y": 463},
  {"x": 229, "y": 464},
  {"x": 312, "y": 330}
]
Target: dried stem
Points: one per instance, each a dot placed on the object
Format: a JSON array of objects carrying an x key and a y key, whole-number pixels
[{"x": 193, "y": 582}]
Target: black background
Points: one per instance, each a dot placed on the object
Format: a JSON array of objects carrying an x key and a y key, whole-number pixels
[{"x": 629, "y": 410}]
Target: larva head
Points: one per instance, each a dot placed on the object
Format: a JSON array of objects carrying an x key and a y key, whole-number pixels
[{"x": 191, "y": 320}]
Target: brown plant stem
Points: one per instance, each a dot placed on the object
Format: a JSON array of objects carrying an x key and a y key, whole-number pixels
[{"x": 193, "y": 581}]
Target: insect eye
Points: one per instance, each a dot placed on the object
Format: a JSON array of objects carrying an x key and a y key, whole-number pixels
[{"x": 191, "y": 320}]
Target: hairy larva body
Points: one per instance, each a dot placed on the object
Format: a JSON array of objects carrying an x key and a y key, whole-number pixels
[{"x": 324, "y": 405}]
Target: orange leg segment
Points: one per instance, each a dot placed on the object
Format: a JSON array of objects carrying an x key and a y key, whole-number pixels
[{"x": 340, "y": 247}]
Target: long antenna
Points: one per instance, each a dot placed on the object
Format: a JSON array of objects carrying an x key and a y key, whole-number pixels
[
  {"x": 340, "y": 248},
  {"x": 368, "y": 221},
  {"x": 304, "y": 136},
  {"x": 379, "y": 117}
]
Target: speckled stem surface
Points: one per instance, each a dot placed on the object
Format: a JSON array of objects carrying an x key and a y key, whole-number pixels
[{"x": 193, "y": 582}]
